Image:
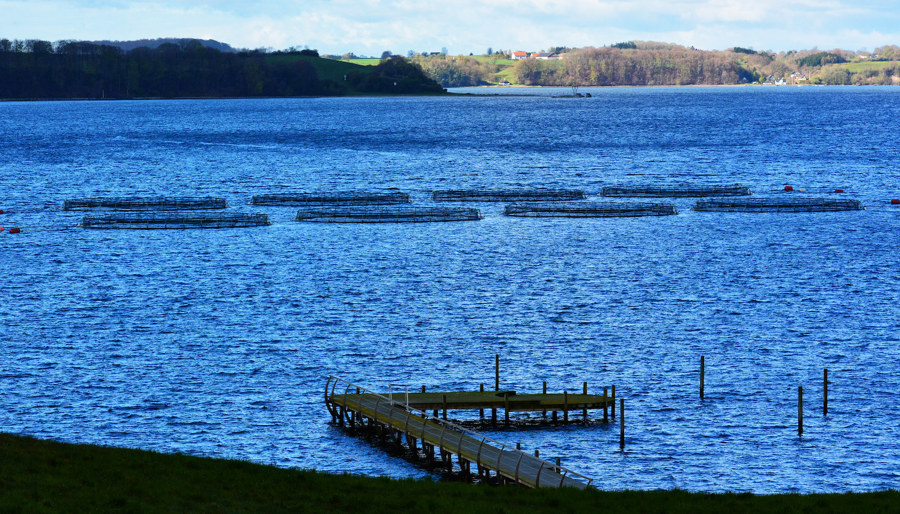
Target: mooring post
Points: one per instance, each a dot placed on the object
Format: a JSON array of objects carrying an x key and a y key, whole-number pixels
[
  {"x": 622, "y": 423},
  {"x": 518, "y": 446},
  {"x": 558, "y": 464},
  {"x": 605, "y": 405},
  {"x": 423, "y": 389},
  {"x": 444, "y": 401},
  {"x": 565, "y": 406},
  {"x": 481, "y": 411},
  {"x": 800, "y": 410},
  {"x": 613, "y": 403},
  {"x": 497, "y": 372},
  {"x": 584, "y": 392},
  {"x": 506, "y": 408},
  {"x": 825, "y": 394},
  {"x": 702, "y": 374},
  {"x": 537, "y": 454},
  {"x": 545, "y": 393}
]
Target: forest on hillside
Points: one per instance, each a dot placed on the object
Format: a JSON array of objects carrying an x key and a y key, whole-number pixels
[
  {"x": 35, "y": 69},
  {"x": 643, "y": 63}
]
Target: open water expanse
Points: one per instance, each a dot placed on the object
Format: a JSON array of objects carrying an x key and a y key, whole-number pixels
[{"x": 218, "y": 342}]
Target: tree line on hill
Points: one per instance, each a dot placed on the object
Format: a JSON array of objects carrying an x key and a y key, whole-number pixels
[
  {"x": 35, "y": 69},
  {"x": 643, "y": 63}
]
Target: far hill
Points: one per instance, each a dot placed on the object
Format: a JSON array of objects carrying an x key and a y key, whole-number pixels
[
  {"x": 192, "y": 69},
  {"x": 128, "y": 46}
]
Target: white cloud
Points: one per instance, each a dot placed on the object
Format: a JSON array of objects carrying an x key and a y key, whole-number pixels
[{"x": 371, "y": 26}]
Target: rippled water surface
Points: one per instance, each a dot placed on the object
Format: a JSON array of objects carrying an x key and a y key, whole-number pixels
[{"x": 218, "y": 342}]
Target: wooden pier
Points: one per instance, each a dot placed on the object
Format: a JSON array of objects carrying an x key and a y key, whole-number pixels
[{"x": 407, "y": 421}]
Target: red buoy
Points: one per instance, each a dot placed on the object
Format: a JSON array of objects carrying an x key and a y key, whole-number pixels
[
  {"x": 788, "y": 188},
  {"x": 838, "y": 190},
  {"x": 1, "y": 229},
  {"x": 14, "y": 230},
  {"x": 1, "y": 211},
  {"x": 895, "y": 201}
]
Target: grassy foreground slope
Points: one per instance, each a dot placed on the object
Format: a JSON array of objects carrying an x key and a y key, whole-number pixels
[{"x": 45, "y": 476}]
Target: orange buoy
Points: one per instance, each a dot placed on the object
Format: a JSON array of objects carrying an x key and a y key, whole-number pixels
[
  {"x": 895, "y": 201},
  {"x": 838, "y": 190},
  {"x": 788, "y": 188},
  {"x": 14, "y": 230},
  {"x": 1, "y": 229}
]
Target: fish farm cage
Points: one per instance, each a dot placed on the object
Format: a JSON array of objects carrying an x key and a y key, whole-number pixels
[
  {"x": 507, "y": 195},
  {"x": 386, "y": 214},
  {"x": 776, "y": 204},
  {"x": 323, "y": 199},
  {"x": 676, "y": 190},
  {"x": 589, "y": 209},
  {"x": 176, "y": 220},
  {"x": 146, "y": 203}
]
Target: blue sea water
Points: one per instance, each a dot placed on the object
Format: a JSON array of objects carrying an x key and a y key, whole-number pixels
[{"x": 218, "y": 342}]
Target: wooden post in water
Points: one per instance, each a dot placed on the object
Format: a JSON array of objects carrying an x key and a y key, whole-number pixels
[
  {"x": 496, "y": 384},
  {"x": 565, "y": 406},
  {"x": 423, "y": 389},
  {"x": 481, "y": 411},
  {"x": 622, "y": 423},
  {"x": 702, "y": 374},
  {"x": 825, "y": 394},
  {"x": 545, "y": 392},
  {"x": 613, "y": 404},
  {"x": 444, "y": 401},
  {"x": 558, "y": 464},
  {"x": 605, "y": 410},
  {"x": 537, "y": 454},
  {"x": 800, "y": 410},
  {"x": 506, "y": 409},
  {"x": 584, "y": 392}
]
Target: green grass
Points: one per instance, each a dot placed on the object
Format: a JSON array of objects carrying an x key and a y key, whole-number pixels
[
  {"x": 44, "y": 476},
  {"x": 856, "y": 67},
  {"x": 371, "y": 61}
]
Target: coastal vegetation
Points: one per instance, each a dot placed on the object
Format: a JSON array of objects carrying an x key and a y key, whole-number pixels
[
  {"x": 45, "y": 476},
  {"x": 36, "y": 69},
  {"x": 647, "y": 63}
]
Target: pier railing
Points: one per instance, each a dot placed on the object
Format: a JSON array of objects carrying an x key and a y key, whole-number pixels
[{"x": 343, "y": 397}]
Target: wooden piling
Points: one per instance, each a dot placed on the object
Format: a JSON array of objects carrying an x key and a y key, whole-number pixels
[
  {"x": 622, "y": 423},
  {"x": 558, "y": 464},
  {"x": 605, "y": 403},
  {"x": 497, "y": 372},
  {"x": 444, "y": 401},
  {"x": 537, "y": 454},
  {"x": 613, "y": 403},
  {"x": 584, "y": 392},
  {"x": 800, "y": 410},
  {"x": 565, "y": 406},
  {"x": 481, "y": 411},
  {"x": 506, "y": 409},
  {"x": 825, "y": 394},
  {"x": 702, "y": 374},
  {"x": 545, "y": 392}
]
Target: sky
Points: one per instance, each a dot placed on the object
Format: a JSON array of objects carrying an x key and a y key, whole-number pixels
[{"x": 370, "y": 27}]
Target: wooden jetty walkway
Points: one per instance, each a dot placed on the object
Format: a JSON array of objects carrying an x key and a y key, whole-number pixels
[{"x": 393, "y": 416}]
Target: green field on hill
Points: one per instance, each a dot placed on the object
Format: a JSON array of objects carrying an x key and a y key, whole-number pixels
[{"x": 45, "y": 476}]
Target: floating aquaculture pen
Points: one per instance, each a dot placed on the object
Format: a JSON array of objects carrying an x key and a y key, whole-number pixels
[
  {"x": 776, "y": 204},
  {"x": 676, "y": 190},
  {"x": 386, "y": 214},
  {"x": 589, "y": 209},
  {"x": 175, "y": 220},
  {"x": 323, "y": 199},
  {"x": 507, "y": 195},
  {"x": 145, "y": 203}
]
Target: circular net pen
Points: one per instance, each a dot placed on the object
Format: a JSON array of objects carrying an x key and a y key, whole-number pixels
[
  {"x": 676, "y": 190},
  {"x": 175, "y": 220},
  {"x": 589, "y": 209},
  {"x": 386, "y": 214},
  {"x": 757, "y": 204},
  {"x": 507, "y": 195},
  {"x": 145, "y": 203},
  {"x": 325, "y": 199}
]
